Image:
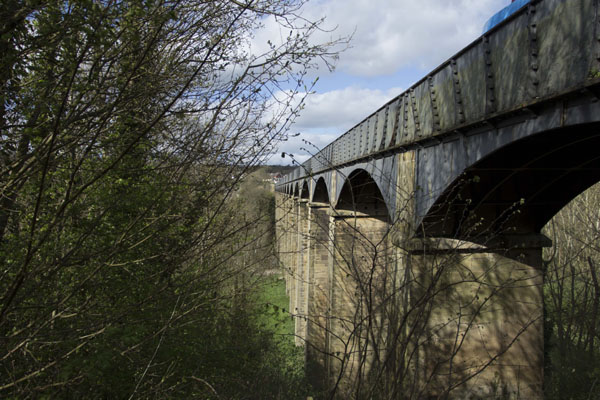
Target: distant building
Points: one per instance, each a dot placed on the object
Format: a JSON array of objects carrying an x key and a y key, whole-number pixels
[{"x": 276, "y": 177}]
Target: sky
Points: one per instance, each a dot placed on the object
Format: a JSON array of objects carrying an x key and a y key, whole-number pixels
[{"x": 395, "y": 43}]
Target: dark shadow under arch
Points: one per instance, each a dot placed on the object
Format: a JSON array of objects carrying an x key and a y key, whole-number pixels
[
  {"x": 304, "y": 193},
  {"x": 320, "y": 195},
  {"x": 360, "y": 193},
  {"x": 519, "y": 187}
]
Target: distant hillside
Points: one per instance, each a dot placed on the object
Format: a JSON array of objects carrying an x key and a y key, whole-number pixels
[{"x": 282, "y": 169}]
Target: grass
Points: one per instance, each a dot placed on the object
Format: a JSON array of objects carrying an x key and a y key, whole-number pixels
[{"x": 276, "y": 317}]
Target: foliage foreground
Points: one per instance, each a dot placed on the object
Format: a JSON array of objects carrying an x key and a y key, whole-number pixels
[{"x": 128, "y": 250}]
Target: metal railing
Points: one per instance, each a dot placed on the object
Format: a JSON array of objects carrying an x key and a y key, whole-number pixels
[{"x": 534, "y": 55}]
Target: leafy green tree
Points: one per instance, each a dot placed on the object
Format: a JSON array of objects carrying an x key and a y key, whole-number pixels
[{"x": 125, "y": 128}]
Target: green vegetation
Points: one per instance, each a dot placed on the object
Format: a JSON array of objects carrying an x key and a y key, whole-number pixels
[
  {"x": 282, "y": 169},
  {"x": 277, "y": 318},
  {"x": 131, "y": 241},
  {"x": 136, "y": 231},
  {"x": 572, "y": 301}
]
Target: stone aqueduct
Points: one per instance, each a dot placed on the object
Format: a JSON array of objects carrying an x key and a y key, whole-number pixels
[{"x": 411, "y": 245}]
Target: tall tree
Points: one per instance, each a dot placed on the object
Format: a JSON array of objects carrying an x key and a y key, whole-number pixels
[{"x": 125, "y": 126}]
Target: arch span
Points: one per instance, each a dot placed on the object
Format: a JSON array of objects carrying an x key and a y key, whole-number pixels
[
  {"x": 520, "y": 186},
  {"x": 360, "y": 193},
  {"x": 304, "y": 192},
  {"x": 321, "y": 193}
]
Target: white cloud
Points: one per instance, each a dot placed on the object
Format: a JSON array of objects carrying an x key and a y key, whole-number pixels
[
  {"x": 339, "y": 110},
  {"x": 328, "y": 115},
  {"x": 389, "y": 35},
  {"x": 335, "y": 111}
]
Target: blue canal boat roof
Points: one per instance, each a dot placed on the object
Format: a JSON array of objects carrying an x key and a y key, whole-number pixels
[{"x": 503, "y": 14}]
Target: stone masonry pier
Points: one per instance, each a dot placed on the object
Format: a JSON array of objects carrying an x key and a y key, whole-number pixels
[{"x": 411, "y": 245}]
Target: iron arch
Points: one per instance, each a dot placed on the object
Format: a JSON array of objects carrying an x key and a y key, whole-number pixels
[
  {"x": 361, "y": 193},
  {"x": 304, "y": 192},
  {"x": 519, "y": 187},
  {"x": 321, "y": 193}
]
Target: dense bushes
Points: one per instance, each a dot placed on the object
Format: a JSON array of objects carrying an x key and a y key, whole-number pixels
[
  {"x": 126, "y": 128},
  {"x": 572, "y": 300}
]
